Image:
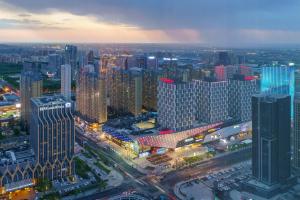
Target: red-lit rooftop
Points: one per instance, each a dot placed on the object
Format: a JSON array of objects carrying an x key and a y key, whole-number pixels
[{"x": 167, "y": 80}]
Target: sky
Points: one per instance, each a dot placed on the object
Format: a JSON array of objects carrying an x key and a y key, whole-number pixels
[{"x": 212, "y": 22}]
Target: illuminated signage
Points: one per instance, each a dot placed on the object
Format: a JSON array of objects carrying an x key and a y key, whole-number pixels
[
  {"x": 68, "y": 105},
  {"x": 51, "y": 108},
  {"x": 189, "y": 140}
]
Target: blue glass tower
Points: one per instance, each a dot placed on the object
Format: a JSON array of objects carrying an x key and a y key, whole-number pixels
[{"x": 279, "y": 80}]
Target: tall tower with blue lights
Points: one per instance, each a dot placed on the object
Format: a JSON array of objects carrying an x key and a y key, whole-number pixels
[{"x": 277, "y": 79}]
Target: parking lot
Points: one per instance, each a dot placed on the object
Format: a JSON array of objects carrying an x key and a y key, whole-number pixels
[
  {"x": 221, "y": 181},
  {"x": 228, "y": 179}
]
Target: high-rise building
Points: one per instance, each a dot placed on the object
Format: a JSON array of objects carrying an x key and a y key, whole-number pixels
[
  {"x": 211, "y": 100},
  {"x": 224, "y": 58},
  {"x": 31, "y": 85},
  {"x": 223, "y": 73},
  {"x": 152, "y": 62},
  {"x": 278, "y": 80},
  {"x": 296, "y": 136},
  {"x": 54, "y": 63},
  {"x": 240, "y": 90},
  {"x": 91, "y": 95},
  {"x": 296, "y": 127},
  {"x": 66, "y": 81},
  {"x": 150, "y": 84},
  {"x": 125, "y": 90},
  {"x": 90, "y": 57},
  {"x": 271, "y": 148},
  {"x": 141, "y": 61},
  {"x": 71, "y": 59},
  {"x": 52, "y": 136},
  {"x": 175, "y": 104}
]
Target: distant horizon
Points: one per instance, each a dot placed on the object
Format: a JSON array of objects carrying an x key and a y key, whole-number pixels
[{"x": 200, "y": 45}]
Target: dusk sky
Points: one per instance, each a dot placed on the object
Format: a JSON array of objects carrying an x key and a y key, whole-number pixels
[{"x": 215, "y": 22}]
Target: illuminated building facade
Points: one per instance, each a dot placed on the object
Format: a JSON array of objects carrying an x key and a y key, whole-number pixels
[
  {"x": 150, "y": 84},
  {"x": 175, "y": 105},
  {"x": 223, "y": 73},
  {"x": 152, "y": 62},
  {"x": 278, "y": 80},
  {"x": 31, "y": 85},
  {"x": 240, "y": 90},
  {"x": 52, "y": 136},
  {"x": 211, "y": 100},
  {"x": 91, "y": 95},
  {"x": 296, "y": 123},
  {"x": 125, "y": 90}
]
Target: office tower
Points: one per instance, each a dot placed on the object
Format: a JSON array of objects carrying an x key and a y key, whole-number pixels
[
  {"x": 71, "y": 59},
  {"x": 271, "y": 124},
  {"x": 278, "y": 80},
  {"x": 220, "y": 73},
  {"x": 125, "y": 61},
  {"x": 90, "y": 57},
  {"x": 245, "y": 70},
  {"x": 52, "y": 136},
  {"x": 66, "y": 81},
  {"x": 54, "y": 63},
  {"x": 223, "y": 73},
  {"x": 30, "y": 65},
  {"x": 224, "y": 58},
  {"x": 91, "y": 96},
  {"x": 152, "y": 62},
  {"x": 240, "y": 90},
  {"x": 150, "y": 84},
  {"x": 141, "y": 61},
  {"x": 175, "y": 104},
  {"x": 211, "y": 100},
  {"x": 31, "y": 85},
  {"x": 125, "y": 90},
  {"x": 296, "y": 127}
]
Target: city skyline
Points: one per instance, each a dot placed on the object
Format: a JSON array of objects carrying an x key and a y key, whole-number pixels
[{"x": 220, "y": 23}]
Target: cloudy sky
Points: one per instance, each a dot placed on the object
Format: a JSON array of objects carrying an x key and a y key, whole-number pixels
[{"x": 215, "y": 22}]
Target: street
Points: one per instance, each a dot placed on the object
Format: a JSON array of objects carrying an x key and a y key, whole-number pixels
[{"x": 152, "y": 188}]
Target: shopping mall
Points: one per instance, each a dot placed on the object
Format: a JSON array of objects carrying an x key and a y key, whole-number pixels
[{"x": 155, "y": 141}]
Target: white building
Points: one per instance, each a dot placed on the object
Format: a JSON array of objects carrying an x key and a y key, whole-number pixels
[
  {"x": 175, "y": 104},
  {"x": 241, "y": 89},
  {"x": 211, "y": 101},
  {"x": 66, "y": 81}
]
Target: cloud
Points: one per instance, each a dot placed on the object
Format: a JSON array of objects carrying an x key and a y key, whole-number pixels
[
  {"x": 188, "y": 14},
  {"x": 24, "y": 15},
  {"x": 213, "y": 21}
]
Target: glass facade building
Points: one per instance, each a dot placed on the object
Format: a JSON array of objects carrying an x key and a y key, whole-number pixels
[
  {"x": 52, "y": 136},
  {"x": 278, "y": 80},
  {"x": 271, "y": 147}
]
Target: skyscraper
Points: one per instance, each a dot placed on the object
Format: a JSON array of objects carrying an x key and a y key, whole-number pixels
[
  {"x": 31, "y": 85},
  {"x": 150, "y": 84},
  {"x": 66, "y": 81},
  {"x": 211, "y": 100},
  {"x": 52, "y": 136},
  {"x": 271, "y": 124},
  {"x": 91, "y": 95},
  {"x": 175, "y": 104},
  {"x": 240, "y": 90},
  {"x": 125, "y": 90},
  {"x": 278, "y": 80},
  {"x": 296, "y": 127},
  {"x": 71, "y": 59}
]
